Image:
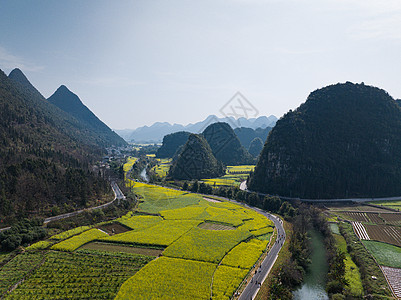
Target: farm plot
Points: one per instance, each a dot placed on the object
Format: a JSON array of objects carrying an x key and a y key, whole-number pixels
[
  {"x": 161, "y": 234},
  {"x": 17, "y": 268},
  {"x": 69, "y": 233},
  {"x": 390, "y": 204},
  {"x": 170, "y": 278},
  {"x": 111, "y": 247},
  {"x": 360, "y": 231},
  {"x": 79, "y": 276},
  {"x": 226, "y": 280},
  {"x": 215, "y": 226},
  {"x": 114, "y": 228},
  {"x": 385, "y": 254},
  {"x": 206, "y": 245},
  {"x": 355, "y": 216},
  {"x": 394, "y": 277},
  {"x": 245, "y": 254},
  {"x": 77, "y": 241},
  {"x": 385, "y": 233},
  {"x": 139, "y": 222},
  {"x": 375, "y": 218},
  {"x": 155, "y": 198},
  {"x": 392, "y": 218},
  {"x": 352, "y": 274}
]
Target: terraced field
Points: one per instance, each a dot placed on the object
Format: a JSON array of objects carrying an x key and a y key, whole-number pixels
[{"x": 204, "y": 249}]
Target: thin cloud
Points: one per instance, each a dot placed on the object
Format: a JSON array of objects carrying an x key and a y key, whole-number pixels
[
  {"x": 113, "y": 82},
  {"x": 11, "y": 61}
]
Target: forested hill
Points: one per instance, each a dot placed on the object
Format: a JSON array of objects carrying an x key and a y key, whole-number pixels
[
  {"x": 196, "y": 161},
  {"x": 44, "y": 154},
  {"x": 69, "y": 102},
  {"x": 344, "y": 141},
  {"x": 225, "y": 145},
  {"x": 16, "y": 75}
]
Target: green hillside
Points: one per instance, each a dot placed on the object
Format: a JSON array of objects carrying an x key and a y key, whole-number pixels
[
  {"x": 225, "y": 145},
  {"x": 344, "y": 141},
  {"x": 171, "y": 143},
  {"x": 44, "y": 155},
  {"x": 66, "y": 100},
  {"x": 196, "y": 161}
]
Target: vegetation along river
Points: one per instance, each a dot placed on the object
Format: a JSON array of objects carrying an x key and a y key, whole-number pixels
[{"x": 314, "y": 283}]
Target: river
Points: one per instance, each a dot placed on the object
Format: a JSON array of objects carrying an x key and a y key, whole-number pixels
[
  {"x": 144, "y": 175},
  {"x": 314, "y": 283}
]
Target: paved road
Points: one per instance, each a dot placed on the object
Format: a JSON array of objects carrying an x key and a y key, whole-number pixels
[
  {"x": 253, "y": 287},
  {"x": 118, "y": 195},
  {"x": 260, "y": 276},
  {"x": 244, "y": 187}
]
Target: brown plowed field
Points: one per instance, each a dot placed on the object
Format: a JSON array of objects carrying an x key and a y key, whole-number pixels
[
  {"x": 355, "y": 216},
  {"x": 384, "y": 233},
  {"x": 375, "y": 218},
  {"x": 392, "y": 218}
]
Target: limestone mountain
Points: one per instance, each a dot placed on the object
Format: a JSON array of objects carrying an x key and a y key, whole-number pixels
[
  {"x": 171, "y": 143},
  {"x": 45, "y": 155},
  {"x": 247, "y": 135},
  {"x": 196, "y": 161},
  {"x": 225, "y": 145},
  {"x": 256, "y": 146},
  {"x": 344, "y": 141},
  {"x": 16, "y": 75},
  {"x": 69, "y": 102}
]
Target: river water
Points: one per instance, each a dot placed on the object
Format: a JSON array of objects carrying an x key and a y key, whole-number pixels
[
  {"x": 314, "y": 283},
  {"x": 144, "y": 175}
]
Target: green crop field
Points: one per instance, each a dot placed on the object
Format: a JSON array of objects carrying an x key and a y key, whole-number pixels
[
  {"x": 226, "y": 280},
  {"x": 391, "y": 204},
  {"x": 245, "y": 254},
  {"x": 77, "y": 241},
  {"x": 69, "y": 233},
  {"x": 170, "y": 278},
  {"x": 97, "y": 275},
  {"x": 206, "y": 245},
  {"x": 162, "y": 167},
  {"x": 385, "y": 254},
  {"x": 352, "y": 274},
  {"x": 205, "y": 249},
  {"x": 17, "y": 268}
]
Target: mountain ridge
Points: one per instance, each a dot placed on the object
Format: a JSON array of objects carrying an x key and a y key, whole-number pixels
[{"x": 156, "y": 131}]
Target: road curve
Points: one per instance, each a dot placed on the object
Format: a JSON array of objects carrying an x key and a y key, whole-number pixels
[
  {"x": 244, "y": 187},
  {"x": 261, "y": 273},
  {"x": 118, "y": 195}
]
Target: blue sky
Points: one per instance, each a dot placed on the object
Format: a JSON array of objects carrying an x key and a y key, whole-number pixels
[{"x": 137, "y": 62}]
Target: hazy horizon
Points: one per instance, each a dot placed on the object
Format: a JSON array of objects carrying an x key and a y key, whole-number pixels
[{"x": 134, "y": 63}]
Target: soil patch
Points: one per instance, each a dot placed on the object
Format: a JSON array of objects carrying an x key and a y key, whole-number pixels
[
  {"x": 215, "y": 226},
  {"x": 114, "y": 228},
  {"x": 122, "y": 248}
]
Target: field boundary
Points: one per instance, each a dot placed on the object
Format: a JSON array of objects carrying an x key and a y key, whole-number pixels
[{"x": 388, "y": 283}]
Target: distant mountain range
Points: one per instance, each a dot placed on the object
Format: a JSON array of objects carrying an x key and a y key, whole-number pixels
[{"x": 158, "y": 130}]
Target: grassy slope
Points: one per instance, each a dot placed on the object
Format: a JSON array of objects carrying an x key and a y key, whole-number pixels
[{"x": 352, "y": 274}]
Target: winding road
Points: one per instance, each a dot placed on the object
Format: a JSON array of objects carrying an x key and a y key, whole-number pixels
[
  {"x": 118, "y": 195},
  {"x": 261, "y": 273}
]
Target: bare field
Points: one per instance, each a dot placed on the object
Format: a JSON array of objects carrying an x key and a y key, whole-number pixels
[
  {"x": 384, "y": 233},
  {"x": 114, "y": 228},
  {"x": 392, "y": 218},
  {"x": 355, "y": 216},
  {"x": 122, "y": 248},
  {"x": 375, "y": 218},
  {"x": 214, "y": 226},
  {"x": 394, "y": 277}
]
